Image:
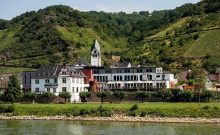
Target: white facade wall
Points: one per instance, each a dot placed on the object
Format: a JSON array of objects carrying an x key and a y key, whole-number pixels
[
  {"x": 73, "y": 85},
  {"x": 155, "y": 79}
]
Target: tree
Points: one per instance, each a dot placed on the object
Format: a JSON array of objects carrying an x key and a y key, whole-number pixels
[
  {"x": 48, "y": 96},
  {"x": 31, "y": 96},
  {"x": 65, "y": 95},
  {"x": 103, "y": 94},
  {"x": 141, "y": 95},
  {"x": 207, "y": 94},
  {"x": 187, "y": 95},
  {"x": 176, "y": 95},
  {"x": 120, "y": 95},
  {"x": 13, "y": 91},
  {"x": 165, "y": 94},
  {"x": 84, "y": 96}
]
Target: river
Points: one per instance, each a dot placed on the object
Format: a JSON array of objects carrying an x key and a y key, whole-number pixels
[{"x": 37, "y": 127}]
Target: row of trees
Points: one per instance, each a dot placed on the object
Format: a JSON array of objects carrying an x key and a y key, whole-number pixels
[{"x": 167, "y": 95}]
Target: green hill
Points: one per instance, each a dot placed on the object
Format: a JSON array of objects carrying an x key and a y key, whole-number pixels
[
  {"x": 60, "y": 34},
  {"x": 207, "y": 44}
]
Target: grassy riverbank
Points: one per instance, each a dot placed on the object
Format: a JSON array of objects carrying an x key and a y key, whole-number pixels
[{"x": 207, "y": 110}]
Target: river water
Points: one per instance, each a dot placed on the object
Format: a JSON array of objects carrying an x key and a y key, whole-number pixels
[{"x": 32, "y": 127}]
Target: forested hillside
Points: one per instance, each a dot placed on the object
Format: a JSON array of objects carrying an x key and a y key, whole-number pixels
[{"x": 175, "y": 39}]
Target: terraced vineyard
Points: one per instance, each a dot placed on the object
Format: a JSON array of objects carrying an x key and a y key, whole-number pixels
[{"x": 207, "y": 44}]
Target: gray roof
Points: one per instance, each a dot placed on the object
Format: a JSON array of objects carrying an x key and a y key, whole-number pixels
[
  {"x": 96, "y": 46},
  {"x": 54, "y": 71},
  {"x": 81, "y": 62}
]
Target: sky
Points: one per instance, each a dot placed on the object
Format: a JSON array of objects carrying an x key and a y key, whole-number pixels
[{"x": 13, "y": 8}]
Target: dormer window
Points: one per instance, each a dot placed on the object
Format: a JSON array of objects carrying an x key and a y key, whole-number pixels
[{"x": 95, "y": 51}]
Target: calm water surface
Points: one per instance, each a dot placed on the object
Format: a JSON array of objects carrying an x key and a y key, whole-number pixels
[{"x": 24, "y": 127}]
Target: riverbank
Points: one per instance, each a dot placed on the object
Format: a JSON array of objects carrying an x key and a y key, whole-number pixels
[{"x": 117, "y": 118}]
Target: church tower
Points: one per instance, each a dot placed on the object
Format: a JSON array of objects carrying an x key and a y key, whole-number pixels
[{"x": 96, "y": 54}]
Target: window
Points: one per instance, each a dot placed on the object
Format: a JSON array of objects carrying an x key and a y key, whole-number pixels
[
  {"x": 55, "y": 80},
  {"x": 141, "y": 77},
  {"x": 120, "y": 78},
  {"x": 135, "y": 78},
  {"x": 149, "y": 77},
  {"x": 37, "y": 90},
  {"x": 63, "y": 89},
  {"x": 163, "y": 77},
  {"x": 36, "y": 81},
  {"x": 77, "y": 89},
  {"x": 74, "y": 80},
  {"x": 48, "y": 89},
  {"x": 64, "y": 80},
  {"x": 73, "y": 89},
  {"x": 47, "y": 81},
  {"x": 114, "y": 78},
  {"x": 54, "y": 90},
  {"x": 158, "y": 76},
  {"x": 132, "y": 78}
]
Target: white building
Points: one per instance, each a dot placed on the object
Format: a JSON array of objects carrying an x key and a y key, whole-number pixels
[
  {"x": 133, "y": 77},
  {"x": 57, "y": 79},
  {"x": 96, "y": 55}
]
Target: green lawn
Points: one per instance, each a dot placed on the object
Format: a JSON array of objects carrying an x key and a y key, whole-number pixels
[{"x": 210, "y": 110}]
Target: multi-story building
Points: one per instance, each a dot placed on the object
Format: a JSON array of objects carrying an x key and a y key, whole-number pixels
[
  {"x": 57, "y": 79},
  {"x": 133, "y": 77},
  {"x": 125, "y": 76}
]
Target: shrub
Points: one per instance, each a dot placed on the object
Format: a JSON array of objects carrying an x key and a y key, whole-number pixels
[
  {"x": 85, "y": 111},
  {"x": 134, "y": 107},
  {"x": 206, "y": 107},
  {"x": 104, "y": 112},
  {"x": 133, "y": 113},
  {"x": 143, "y": 114},
  {"x": 215, "y": 108},
  {"x": 6, "y": 108}
]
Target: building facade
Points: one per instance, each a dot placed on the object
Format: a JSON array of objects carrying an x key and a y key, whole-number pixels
[
  {"x": 25, "y": 80},
  {"x": 58, "y": 79},
  {"x": 133, "y": 78}
]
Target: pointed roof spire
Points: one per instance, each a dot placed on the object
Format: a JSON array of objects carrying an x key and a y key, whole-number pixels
[{"x": 96, "y": 46}]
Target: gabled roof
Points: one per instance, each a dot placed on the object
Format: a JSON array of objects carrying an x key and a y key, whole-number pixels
[
  {"x": 82, "y": 62},
  {"x": 182, "y": 76},
  {"x": 55, "y": 71},
  {"x": 47, "y": 71},
  {"x": 96, "y": 46}
]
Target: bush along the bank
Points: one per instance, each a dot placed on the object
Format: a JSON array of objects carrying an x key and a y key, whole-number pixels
[
  {"x": 133, "y": 111},
  {"x": 6, "y": 108}
]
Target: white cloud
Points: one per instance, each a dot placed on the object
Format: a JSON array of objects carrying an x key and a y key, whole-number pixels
[{"x": 118, "y": 8}]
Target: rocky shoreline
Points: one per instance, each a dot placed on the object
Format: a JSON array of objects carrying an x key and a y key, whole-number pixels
[{"x": 116, "y": 118}]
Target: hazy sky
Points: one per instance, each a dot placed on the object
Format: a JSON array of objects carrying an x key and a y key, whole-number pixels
[{"x": 12, "y": 8}]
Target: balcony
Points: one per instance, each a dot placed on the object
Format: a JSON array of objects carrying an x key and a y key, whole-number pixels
[{"x": 51, "y": 85}]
